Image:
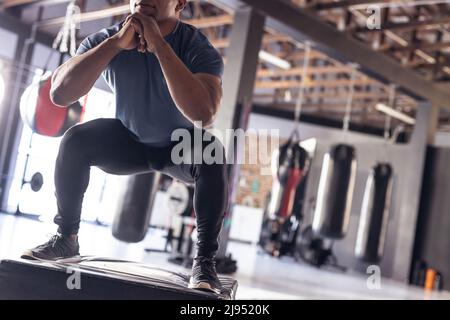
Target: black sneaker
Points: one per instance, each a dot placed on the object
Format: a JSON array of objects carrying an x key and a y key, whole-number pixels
[
  {"x": 204, "y": 275},
  {"x": 59, "y": 247}
]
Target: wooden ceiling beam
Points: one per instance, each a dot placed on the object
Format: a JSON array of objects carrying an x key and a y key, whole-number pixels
[
  {"x": 406, "y": 26},
  {"x": 292, "y": 84},
  {"x": 9, "y": 4},
  {"x": 341, "y": 95},
  {"x": 207, "y": 22},
  {"x": 299, "y": 71},
  {"x": 267, "y": 39},
  {"x": 422, "y": 46}
]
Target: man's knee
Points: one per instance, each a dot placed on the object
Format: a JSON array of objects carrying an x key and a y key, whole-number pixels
[{"x": 74, "y": 138}]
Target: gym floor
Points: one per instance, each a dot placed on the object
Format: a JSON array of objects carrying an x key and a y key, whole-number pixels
[{"x": 255, "y": 273}]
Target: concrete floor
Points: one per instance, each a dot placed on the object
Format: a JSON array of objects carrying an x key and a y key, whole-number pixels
[{"x": 259, "y": 276}]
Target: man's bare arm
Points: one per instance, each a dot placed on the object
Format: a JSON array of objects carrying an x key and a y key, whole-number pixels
[
  {"x": 197, "y": 96},
  {"x": 77, "y": 76}
]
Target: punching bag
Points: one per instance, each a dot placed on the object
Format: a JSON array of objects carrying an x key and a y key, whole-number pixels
[
  {"x": 334, "y": 198},
  {"x": 374, "y": 214},
  {"x": 42, "y": 115},
  {"x": 289, "y": 164},
  {"x": 133, "y": 215}
]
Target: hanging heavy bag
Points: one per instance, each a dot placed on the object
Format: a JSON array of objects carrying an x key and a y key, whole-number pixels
[
  {"x": 42, "y": 115},
  {"x": 296, "y": 159},
  {"x": 288, "y": 164},
  {"x": 291, "y": 162},
  {"x": 374, "y": 214},
  {"x": 132, "y": 218},
  {"x": 334, "y": 198},
  {"x": 36, "y": 108}
]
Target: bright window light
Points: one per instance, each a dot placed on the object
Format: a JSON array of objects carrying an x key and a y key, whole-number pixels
[
  {"x": 276, "y": 61},
  {"x": 395, "y": 114},
  {"x": 2, "y": 88}
]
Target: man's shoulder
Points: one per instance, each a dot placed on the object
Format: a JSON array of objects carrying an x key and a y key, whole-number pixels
[
  {"x": 193, "y": 34},
  {"x": 95, "y": 38},
  {"x": 199, "y": 54},
  {"x": 186, "y": 27}
]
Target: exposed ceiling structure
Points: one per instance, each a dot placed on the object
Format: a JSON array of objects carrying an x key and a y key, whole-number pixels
[{"x": 414, "y": 33}]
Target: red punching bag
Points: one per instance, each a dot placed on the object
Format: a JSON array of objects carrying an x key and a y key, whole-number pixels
[
  {"x": 291, "y": 162},
  {"x": 49, "y": 118},
  {"x": 42, "y": 115}
]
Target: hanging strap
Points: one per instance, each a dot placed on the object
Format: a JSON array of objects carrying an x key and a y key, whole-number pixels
[
  {"x": 388, "y": 118},
  {"x": 387, "y": 123},
  {"x": 348, "y": 108},
  {"x": 299, "y": 103},
  {"x": 301, "y": 89}
]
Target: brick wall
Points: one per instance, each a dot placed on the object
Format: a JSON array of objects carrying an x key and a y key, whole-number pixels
[{"x": 254, "y": 186}]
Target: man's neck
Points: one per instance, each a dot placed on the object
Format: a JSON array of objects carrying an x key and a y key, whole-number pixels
[{"x": 167, "y": 26}]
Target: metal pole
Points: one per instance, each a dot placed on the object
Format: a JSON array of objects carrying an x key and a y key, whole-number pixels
[{"x": 238, "y": 85}]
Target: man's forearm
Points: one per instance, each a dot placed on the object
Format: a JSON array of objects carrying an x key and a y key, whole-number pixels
[
  {"x": 77, "y": 76},
  {"x": 189, "y": 94}
]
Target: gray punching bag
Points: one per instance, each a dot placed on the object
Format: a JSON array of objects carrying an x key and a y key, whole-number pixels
[
  {"x": 335, "y": 194},
  {"x": 133, "y": 215},
  {"x": 374, "y": 214}
]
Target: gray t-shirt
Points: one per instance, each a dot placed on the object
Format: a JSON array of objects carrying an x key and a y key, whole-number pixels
[{"x": 143, "y": 102}]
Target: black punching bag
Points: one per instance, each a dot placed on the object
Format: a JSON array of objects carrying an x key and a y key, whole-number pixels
[
  {"x": 334, "y": 198},
  {"x": 374, "y": 214},
  {"x": 133, "y": 215}
]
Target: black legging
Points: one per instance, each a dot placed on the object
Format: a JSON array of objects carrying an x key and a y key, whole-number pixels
[{"x": 110, "y": 146}]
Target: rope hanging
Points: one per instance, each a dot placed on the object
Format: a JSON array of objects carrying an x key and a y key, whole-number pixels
[{"x": 65, "y": 41}]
